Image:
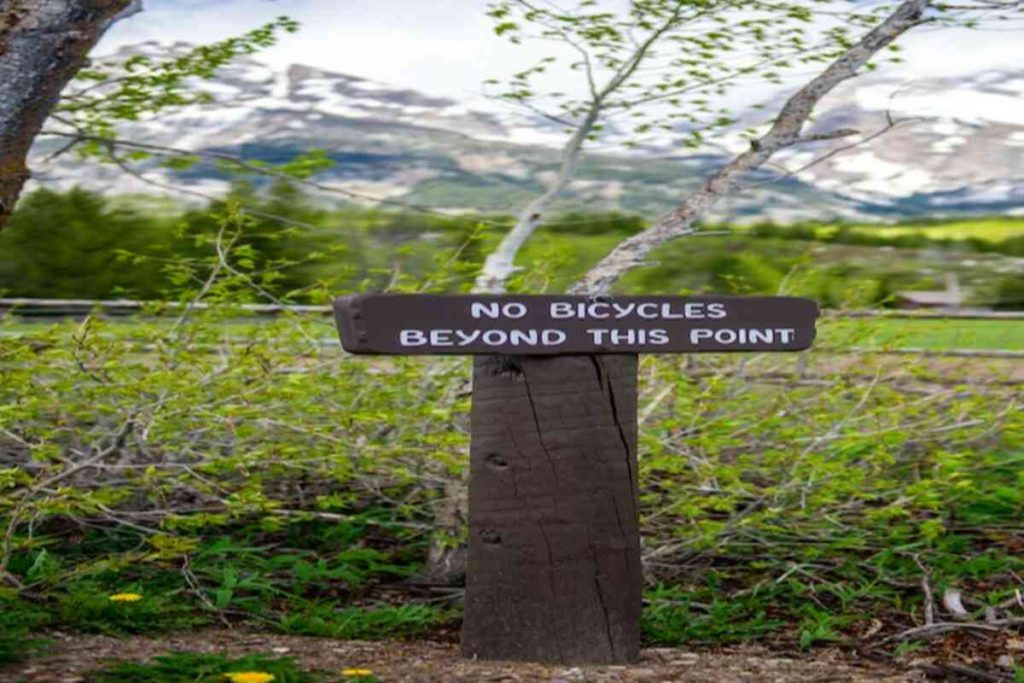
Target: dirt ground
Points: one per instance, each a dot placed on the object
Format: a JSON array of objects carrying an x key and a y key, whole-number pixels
[{"x": 71, "y": 657}]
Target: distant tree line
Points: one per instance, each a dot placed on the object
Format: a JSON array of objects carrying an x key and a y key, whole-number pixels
[
  {"x": 83, "y": 245},
  {"x": 848, "y": 234},
  {"x": 78, "y": 244}
]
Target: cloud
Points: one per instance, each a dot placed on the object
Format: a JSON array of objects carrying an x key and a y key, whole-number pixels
[
  {"x": 446, "y": 47},
  {"x": 442, "y": 47}
]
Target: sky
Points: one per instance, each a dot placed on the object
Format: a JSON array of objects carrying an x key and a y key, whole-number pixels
[{"x": 446, "y": 47}]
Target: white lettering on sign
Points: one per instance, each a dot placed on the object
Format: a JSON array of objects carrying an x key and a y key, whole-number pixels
[
  {"x": 495, "y": 310},
  {"x": 628, "y": 337},
  {"x": 553, "y": 337},
  {"x": 727, "y": 336},
  {"x": 441, "y": 337},
  {"x": 412, "y": 338},
  {"x": 603, "y": 336},
  {"x": 649, "y": 310},
  {"x": 449, "y": 337}
]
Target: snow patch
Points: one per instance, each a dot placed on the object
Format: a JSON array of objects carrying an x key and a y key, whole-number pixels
[
  {"x": 534, "y": 136},
  {"x": 219, "y": 89},
  {"x": 874, "y": 175},
  {"x": 965, "y": 104},
  {"x": 493, "y": 163},
  {"x": 949, "y": 144},
  {"x": 282, "y": 85},
  {"x": 945, "y": 127}
]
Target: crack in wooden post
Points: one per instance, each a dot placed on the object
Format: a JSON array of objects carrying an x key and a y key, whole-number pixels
[{"x": 540, "y": 432}]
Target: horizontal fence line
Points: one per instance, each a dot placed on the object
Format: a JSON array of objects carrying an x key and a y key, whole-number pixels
[
  {"x": 830, "y": 379},
  {"x": 939, "y": 314},
  {"x": 912, "y": 351},
  {"x": 822, "y": 350},
  {"x": 44, "y": 308}
]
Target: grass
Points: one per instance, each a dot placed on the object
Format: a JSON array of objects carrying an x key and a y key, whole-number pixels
[
  {"x": 272, "y": 486},
  {"x": 903, "y": 333},
  {"x": 208, "y": 668},
  {"x": 988, "y": 229}
]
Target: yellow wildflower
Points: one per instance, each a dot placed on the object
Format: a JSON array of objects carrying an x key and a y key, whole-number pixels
[
  {"x": 250, "y": 677},
  {"x": 125, "y": 597},
  {"x": 353, "y": 673}
]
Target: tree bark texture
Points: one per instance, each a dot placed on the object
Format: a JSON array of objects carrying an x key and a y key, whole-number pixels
[
  {"x": 554, "y": 547},
  {"x": 43, "y": 44}
]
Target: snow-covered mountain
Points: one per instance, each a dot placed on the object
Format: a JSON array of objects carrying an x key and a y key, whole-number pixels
[
  {"x": 960, "y": 149},
  {"x": 957, "y": 146}
]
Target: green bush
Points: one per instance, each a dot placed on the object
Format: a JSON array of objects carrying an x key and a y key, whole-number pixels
[
  {"x": 1009, "y": 293},
  {"x": 76, "y": 245},
  {"x": 244, "y": 471},
  {"x": 20, "y": 623}
]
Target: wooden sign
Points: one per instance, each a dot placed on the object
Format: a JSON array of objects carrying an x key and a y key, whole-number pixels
[
  {"x": 558, "y": 325},
  {"x": 553, "y": 571}
]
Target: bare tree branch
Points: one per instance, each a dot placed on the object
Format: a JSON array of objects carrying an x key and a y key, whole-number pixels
[
  {"x": 891, "y": 123},
  {"x": 133, "y": 8},
  {"x": 242, "y": 164},
  {"x": 829, "y": 135},
  {"x": 926, "y": 588}
]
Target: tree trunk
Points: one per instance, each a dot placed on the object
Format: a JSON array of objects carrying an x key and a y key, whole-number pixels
[
  {"x": 43, "y": 44},
  {"x": 446, "y": 559},
  {"x": 554, "y": 546}
]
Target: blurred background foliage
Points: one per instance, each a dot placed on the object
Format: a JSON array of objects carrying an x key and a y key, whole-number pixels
[{"x": 77, "y": 244}]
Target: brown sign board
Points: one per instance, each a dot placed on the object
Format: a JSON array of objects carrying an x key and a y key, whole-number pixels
[{"x": 512, "y": 324}]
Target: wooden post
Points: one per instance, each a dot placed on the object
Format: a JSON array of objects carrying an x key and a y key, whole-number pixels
[{"x": 554, "y": 569}]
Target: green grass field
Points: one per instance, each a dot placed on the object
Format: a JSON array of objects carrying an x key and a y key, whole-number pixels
[
  {"x": 903, "y": 333},
  {"x": 988, "y": 229}
]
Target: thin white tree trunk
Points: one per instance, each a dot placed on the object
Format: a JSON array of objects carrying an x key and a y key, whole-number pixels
[
  {"x": 500, "y": 264},
  {"x": 785, "y": 132}
]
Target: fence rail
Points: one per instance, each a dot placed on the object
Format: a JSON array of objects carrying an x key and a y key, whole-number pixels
[
  {"x": 937, "y": 314},
  {"x": 56, "y": 308},
  {"x": 914, "y": 351}
]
